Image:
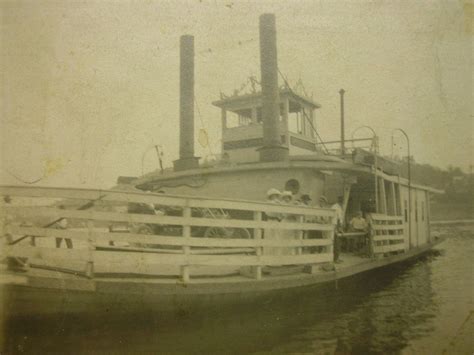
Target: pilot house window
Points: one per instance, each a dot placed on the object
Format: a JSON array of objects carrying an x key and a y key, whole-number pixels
[{"x": 239, "y": 118}]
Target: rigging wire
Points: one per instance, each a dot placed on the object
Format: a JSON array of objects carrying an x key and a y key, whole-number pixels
[
  {"x": 203, "y": 126},
  {"x": 21, "y": 180}
]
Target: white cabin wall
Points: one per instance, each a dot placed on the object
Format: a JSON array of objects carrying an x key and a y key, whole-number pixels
[
  {"x": 243, "y": 155},
  {"x": 299, "y": 151},
  {"x": 249, "y": 185},
  {"x": 414, "y": 217},
  {"x": 422, "y": 230},
  {"x": 406, "y": 216},
  {"x": 419, "y": 216}
]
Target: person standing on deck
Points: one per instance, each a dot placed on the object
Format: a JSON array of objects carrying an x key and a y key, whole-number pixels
[
  {"x": 286, "y": 234},
  {"x": 339, "y": 222},
  {"x": 323, "y": 203},
  {"x": 305, "y": 200},
  {"x": 62, "y": 224},
  {"x": 287, "y": 198},
  {"x": 273, "y": 196},
  {"x": 339, "y": 212},
  {"x": 359, "y": 224}
]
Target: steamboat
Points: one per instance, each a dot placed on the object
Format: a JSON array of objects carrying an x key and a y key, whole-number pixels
[{"x": 205, "y": 233}]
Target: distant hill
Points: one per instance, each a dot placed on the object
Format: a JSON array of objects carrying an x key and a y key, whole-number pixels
[{"x": 457, "y": 200}]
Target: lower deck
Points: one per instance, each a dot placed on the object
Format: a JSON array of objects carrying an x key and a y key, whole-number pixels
[
  {"x": 63, "y": 255},
  {"x": 217, "y": 280}
]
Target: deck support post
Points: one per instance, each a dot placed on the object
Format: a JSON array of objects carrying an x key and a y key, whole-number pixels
[
  {"x": 371, "y": 241},
  {"x": 393, "y": 198},
  {"x": 257, "y": 272},
  {"x": 428, "y": 214},
  {"x": 383, "y": 199},
  {"x": 7, "y": 238},
  {"x": 186, "y": 248},
  {"x": 91, "y": 245}
]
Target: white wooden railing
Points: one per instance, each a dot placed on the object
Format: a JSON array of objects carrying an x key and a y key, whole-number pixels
[
  {"x": 184, "y": 250},
  {"x": 387, "y": 234}
]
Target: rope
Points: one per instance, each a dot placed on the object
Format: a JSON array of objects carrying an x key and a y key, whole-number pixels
[{"x": 203, "y": 126}]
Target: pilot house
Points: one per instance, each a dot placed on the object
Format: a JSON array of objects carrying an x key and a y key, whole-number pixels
[{"x": 242, "y": 126}]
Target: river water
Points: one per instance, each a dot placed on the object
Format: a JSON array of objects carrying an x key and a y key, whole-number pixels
[{"x": 414, "y": 308}]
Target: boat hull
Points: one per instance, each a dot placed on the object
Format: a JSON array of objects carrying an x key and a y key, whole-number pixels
[{"x": 41, "y": 296}]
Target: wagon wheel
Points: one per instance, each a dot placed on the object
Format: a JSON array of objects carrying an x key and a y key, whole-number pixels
[
  {"x": 216, "y": 232},
  {"x": 241, "y": 233},
  {"x": 142, "y": 229},
  {"x": 173, "y": 230}
]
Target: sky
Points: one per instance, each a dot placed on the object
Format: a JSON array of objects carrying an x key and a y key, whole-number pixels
[{"x": 89, "y": 87}]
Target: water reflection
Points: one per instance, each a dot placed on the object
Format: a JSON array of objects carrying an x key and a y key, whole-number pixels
[{"x": 380, "y": 312}]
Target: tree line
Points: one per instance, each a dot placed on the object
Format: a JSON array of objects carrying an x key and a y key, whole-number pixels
[{"x": 457, "y": 184}]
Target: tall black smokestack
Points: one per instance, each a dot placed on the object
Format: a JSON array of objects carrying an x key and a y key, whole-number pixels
[
  {"x": 343, "y": 148},
  {"x": 186, "y": 160},
  {"x": 272, "y": 149}
]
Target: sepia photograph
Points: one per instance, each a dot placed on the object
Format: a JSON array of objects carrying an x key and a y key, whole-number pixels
[{"x": 236, "y": 177}]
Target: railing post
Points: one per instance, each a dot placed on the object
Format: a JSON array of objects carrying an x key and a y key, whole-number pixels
[
  {"x": 382, "y": 199},
  {"x": 258, "y": 250},
  {"x": 186, "y": 247},
  {"x": 5, "y": 237},
  {"x": 91, "y": 245},
  {"x": 393, "y": 198},
  {"x": 332, "y": 234},
  {"x": 299, "y": 235},
  {"x": 371, "y": 237}
]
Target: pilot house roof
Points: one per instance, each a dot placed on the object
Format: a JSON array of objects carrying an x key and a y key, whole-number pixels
[{"x": 223, "y": 103}]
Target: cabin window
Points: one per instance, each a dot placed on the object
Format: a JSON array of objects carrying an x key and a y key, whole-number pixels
[
  {"x": 238, "y": 118},
  {"x": 232, "y": 120},
  {"x": 292, "y": 185},
  {"x": 297, "y": 118},
  {"x": 406, "y": 210}
]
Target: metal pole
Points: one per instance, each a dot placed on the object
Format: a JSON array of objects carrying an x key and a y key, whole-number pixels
[
  {"x": 343, "y": 150},
  {"x": 409, "y": 178},
  {"x": 375, "y": 143},
  {"x": 376, "y": 177}
]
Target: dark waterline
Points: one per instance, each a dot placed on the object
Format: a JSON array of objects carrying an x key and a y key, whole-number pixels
[{"x": 414, "y": 307}]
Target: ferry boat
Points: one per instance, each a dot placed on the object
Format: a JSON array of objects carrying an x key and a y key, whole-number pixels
[{"x": 205, "y": 233}]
